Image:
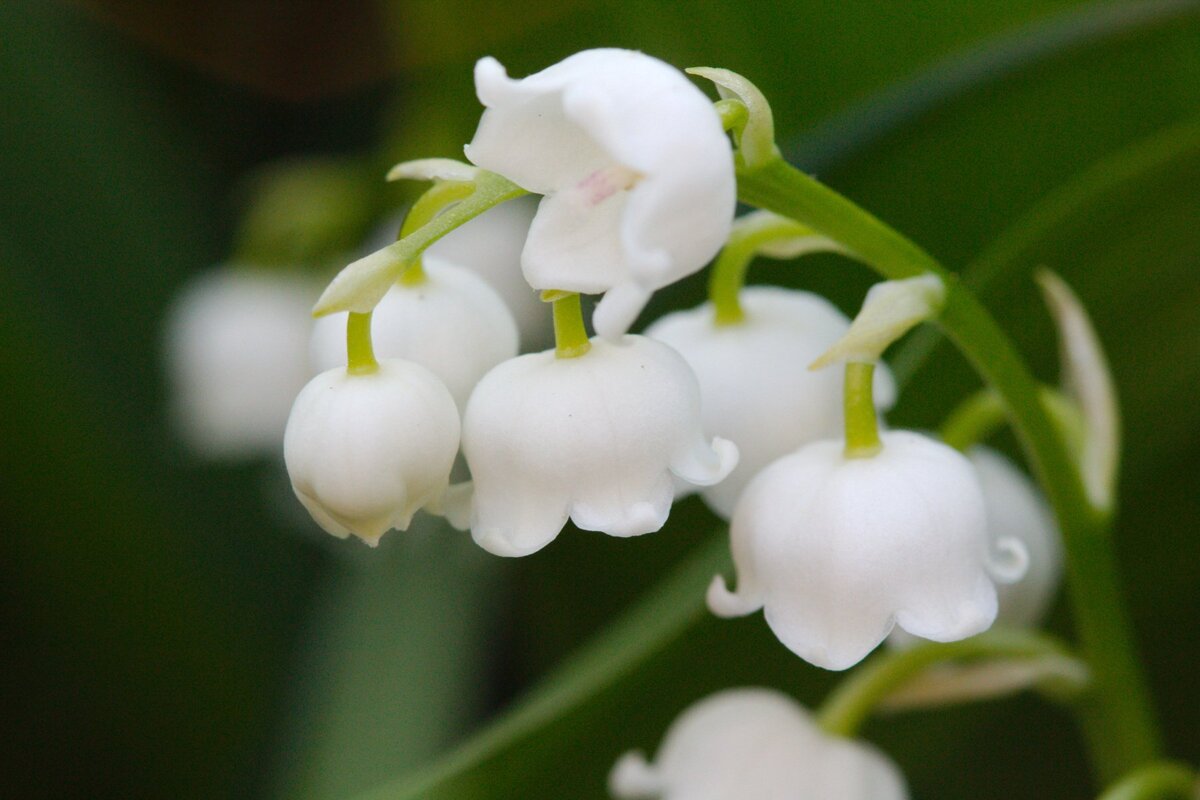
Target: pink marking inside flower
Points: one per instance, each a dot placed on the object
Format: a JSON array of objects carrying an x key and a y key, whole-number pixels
[{"x": 604, "y": 183}]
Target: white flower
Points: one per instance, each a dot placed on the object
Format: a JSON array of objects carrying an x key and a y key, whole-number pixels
[
  {"x": 365, "y": 451},
  {"x": 755, "y": 384},
  {"x": 237, "y": 353},
  {"x": 636, "y": 169},
  {"x": 453, "y": 324},
  {"x": 1017, "y": 511},
  {"x": 594, "y": 438},
  {"x": 755, "y": 744},
  {"x": 490, "y": 246},
  {"x": 837, "y": 550}
]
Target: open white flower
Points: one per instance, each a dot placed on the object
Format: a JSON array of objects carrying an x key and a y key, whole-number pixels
[
  {"x": 837, "y": 550},
  {"x": 755, "y": 744},
  {"x": 452, "y": 323},
  {"x": 365, "y": 451},
  {"x": 594, "y": 438},
  {"x": 636, "y": 169},
  {"x": 490, "y": 246},
  {"x": 237, "y": 353},
  {"x": 755, "y": 384}
]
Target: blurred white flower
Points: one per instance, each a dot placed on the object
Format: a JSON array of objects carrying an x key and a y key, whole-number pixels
[
  {"x": 365, "y": 451},
  {"x": 636, "y": 169},
  {"x": 490, "y": 246},
  {"x": 237, "y": 353},
  {"x": 837, "y": 550},
  {"x": 755, "y": 385},
  {"x": 1016, "y": 510},
  {"x": 595, "y": 438},
  {"x": 755, "y": 744},
  {"x": 453, "y": 324}
]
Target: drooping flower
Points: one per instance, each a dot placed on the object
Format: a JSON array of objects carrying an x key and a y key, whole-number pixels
[
  {"x": 365, "y": 451},
  {"x": 595, "y": 438},
  {"x": 838, "y": 549},
  {"x": 237, "y": 353},
  {"x": 490, "y": 246},
  {"x": 755, "y": 384},
  {"x": 452, "y": 323},
  {"x": 755, "y": 744},
  {"x": 636, "y": 169}
]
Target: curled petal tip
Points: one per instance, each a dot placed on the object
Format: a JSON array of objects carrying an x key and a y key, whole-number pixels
[
  {"x": 1009, "y": 560},
  {"x": 724, "y": 603},
  {"x": 618, "y": 310},
  {"x": 710, "y": 465},
  {"x": 633, "y": 778},
  {"x": 455, "y": 505}
]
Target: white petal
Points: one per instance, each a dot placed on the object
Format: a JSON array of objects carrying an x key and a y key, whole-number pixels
[{"x": 454, "y": 325}]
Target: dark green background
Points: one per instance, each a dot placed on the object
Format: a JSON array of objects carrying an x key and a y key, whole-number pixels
[{"x": 176, "y": 629}]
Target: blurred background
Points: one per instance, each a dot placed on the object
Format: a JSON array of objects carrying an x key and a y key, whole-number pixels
[{"x": 174, "y": 626}]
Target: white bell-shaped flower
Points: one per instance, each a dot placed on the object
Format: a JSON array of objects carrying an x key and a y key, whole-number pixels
[
  {"x": 237, "y": 353},
  {"x": 595, "y": 438},
  {"x": 452, "y": 323},
  {"x": 755, "y": 384},
  {"x": 838, "y": 549},
  {"x": 635, "y": 165},
  {"x": 755, "y": 744},
  {"x": 1017, "y": 511},
  {"x": 365, "y": 451},
  {"x": 490, "y": 246}
]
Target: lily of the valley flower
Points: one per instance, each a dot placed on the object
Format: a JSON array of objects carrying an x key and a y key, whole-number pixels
[
  {"x": 595, "y": 438},
  {"x": 838, "y": 549},
  {"x": 636, "y": 169},
  {"x": 452, "y": 323},
  {"x": 237, "y": 343},
  {"x": 755, "y": 384},
  {"x": 755, "y": 744},
  {"x": 365, "y": 451}
]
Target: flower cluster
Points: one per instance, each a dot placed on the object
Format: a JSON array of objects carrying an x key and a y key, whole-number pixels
[{"x": 840, "y": 531}]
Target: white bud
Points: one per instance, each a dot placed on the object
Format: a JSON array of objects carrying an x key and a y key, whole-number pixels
[
  {"x": 755, "y": 385},
  {"x": 365, "y": 451},
  {"x": 837, "y": 550},
  {"x": 755, "y": 744},
  {"x": 595, "y": 438},
  {"x": 453, "y": 324},
  {"x": 635, "y": 165},
  {"x": 237, "y": 353}
]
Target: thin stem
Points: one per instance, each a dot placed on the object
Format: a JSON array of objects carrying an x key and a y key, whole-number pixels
[
  {"x": 1162, "y": 781},
  {"x": 847, "y": 708},
  {"x": 1116, "y": 714},
  {"x": 862, "y": 427},
  {"x": 427, "y": 206},
  {"x": 570, "y": 336},
  {"x": 360, "y": 355},
  {"x": 973, "y": 420}
]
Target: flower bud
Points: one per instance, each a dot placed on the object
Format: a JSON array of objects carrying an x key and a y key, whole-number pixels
[
  {"x": 595, "y": 438},
  {"x": 755, "y": 744},
  {"x": 837, "y": 550},
  {"x": 755, "y": 384},
  {"x": 452, "y": 323},
  {"x": 237, "y": 353},
  {"x": 365, "y": 451}
]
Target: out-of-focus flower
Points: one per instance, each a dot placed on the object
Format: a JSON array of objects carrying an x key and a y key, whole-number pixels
[
  {"x": 755, "y": 744},
  {"x": 595, "y": 438},
  {"x": 636, "y": 169},
  {"x": 838, "y": 549},
  {"x": 755, "y": 384},
  {"x": 237, "y": 353},
  {"x": 452, "y": 323},
  {"x": 365, "y": 451}
]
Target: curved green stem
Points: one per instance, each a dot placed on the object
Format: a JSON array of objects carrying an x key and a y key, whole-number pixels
[
  {"x": 1116, "y": 714},
  {"x": 1162, "y": 781},
  {"x": 427, "y": 206},
  {"x": 845, "y": 710},
  {"x": 570, "y": 335},
  {"x": 360, "y": 355},
  {"x": 862, "y": 426},
  {"x": 973, "y": 420}
]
